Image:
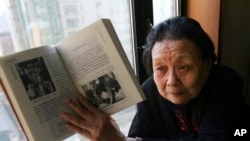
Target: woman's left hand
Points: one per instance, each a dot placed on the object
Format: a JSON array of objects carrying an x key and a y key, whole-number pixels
[{"x": 91, "y": 122}]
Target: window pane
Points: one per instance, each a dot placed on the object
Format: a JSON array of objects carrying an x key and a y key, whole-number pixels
[
  {"x": 30, "y": 23},
  {"x": 163, "y": 9}
]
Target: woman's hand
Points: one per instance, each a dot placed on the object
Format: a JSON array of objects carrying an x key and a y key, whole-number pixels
[{"x": 91, "y": 122}]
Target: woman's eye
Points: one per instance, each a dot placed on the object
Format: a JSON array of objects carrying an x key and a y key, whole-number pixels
[
  {"x": 161, "y": 68},
  {"x": 184, "y": 68}
]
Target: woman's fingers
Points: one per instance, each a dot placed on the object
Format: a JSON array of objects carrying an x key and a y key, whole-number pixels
[
  {"x": 88, "y": 106},
  {"x": 80, "y": 110},
  {"x": 74, "y": 120},
  {"x": 91, "y": 130},
  {"x": 88, "y": 117},
  {"x": 75, "y": 127},
  {"x": 70, "y": 119},
  {"x": 90, "y": 121}
]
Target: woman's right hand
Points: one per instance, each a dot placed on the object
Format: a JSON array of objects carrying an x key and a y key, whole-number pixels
[{"x": 91, "y": 122}]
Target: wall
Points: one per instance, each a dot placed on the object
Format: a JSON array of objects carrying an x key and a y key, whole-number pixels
[
  {"x": 227, "y": 22},
  {"x": 235, "y": 38},
  {"x": 207, "y": 12}
]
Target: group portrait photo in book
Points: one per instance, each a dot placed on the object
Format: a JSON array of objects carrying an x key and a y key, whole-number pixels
[
  {"x": 103, "y": 91},
  {"x": 35, "y": 77}
]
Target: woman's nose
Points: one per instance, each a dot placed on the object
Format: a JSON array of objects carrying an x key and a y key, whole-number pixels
[{"x": 172, "y": 79}]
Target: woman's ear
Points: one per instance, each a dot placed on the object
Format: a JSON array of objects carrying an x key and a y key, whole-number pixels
[
  {"x": 209, "y": 63},
  {"x": 206, "y": 68}
]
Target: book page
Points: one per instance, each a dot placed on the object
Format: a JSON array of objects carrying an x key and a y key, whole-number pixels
[
  {"x": 99, "y": 67},
  {"x": 37, "y": 85}
]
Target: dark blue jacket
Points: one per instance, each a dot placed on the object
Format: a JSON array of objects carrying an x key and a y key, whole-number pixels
[{"x": 214, "y": 115}]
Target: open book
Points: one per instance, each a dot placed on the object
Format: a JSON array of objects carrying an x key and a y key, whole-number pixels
[{"x": 92, "y": 61}]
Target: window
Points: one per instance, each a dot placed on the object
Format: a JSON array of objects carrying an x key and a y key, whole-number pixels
[
  {"x": 30, "y": 23},
  {"x": 71, "y": 10},
  {"x": 161, "y": 12}
]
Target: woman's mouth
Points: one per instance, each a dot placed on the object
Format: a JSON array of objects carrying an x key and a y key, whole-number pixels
[{"x": 175, "y": 93}]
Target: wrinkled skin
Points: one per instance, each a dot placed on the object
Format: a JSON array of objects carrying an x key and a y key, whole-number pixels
[
  {"x": 179, "y": 71},
  {"x": 91, "y": 122}
]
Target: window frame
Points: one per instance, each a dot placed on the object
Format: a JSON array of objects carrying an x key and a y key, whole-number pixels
[{"x": 143, "y": 16}]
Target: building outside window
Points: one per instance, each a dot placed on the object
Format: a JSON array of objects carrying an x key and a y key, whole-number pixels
[{"x": 26, "y": 24}]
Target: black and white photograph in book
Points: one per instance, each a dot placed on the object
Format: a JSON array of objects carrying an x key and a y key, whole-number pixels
[
  {"x": 35, "y": 77},
  {"x": 104, "y": 91}
]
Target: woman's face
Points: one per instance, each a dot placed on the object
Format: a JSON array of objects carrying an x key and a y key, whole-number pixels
[{"x": 179, "y": 71}]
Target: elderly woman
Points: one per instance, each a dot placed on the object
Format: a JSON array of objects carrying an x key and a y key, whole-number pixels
[{"x": 188, "y": 96}]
